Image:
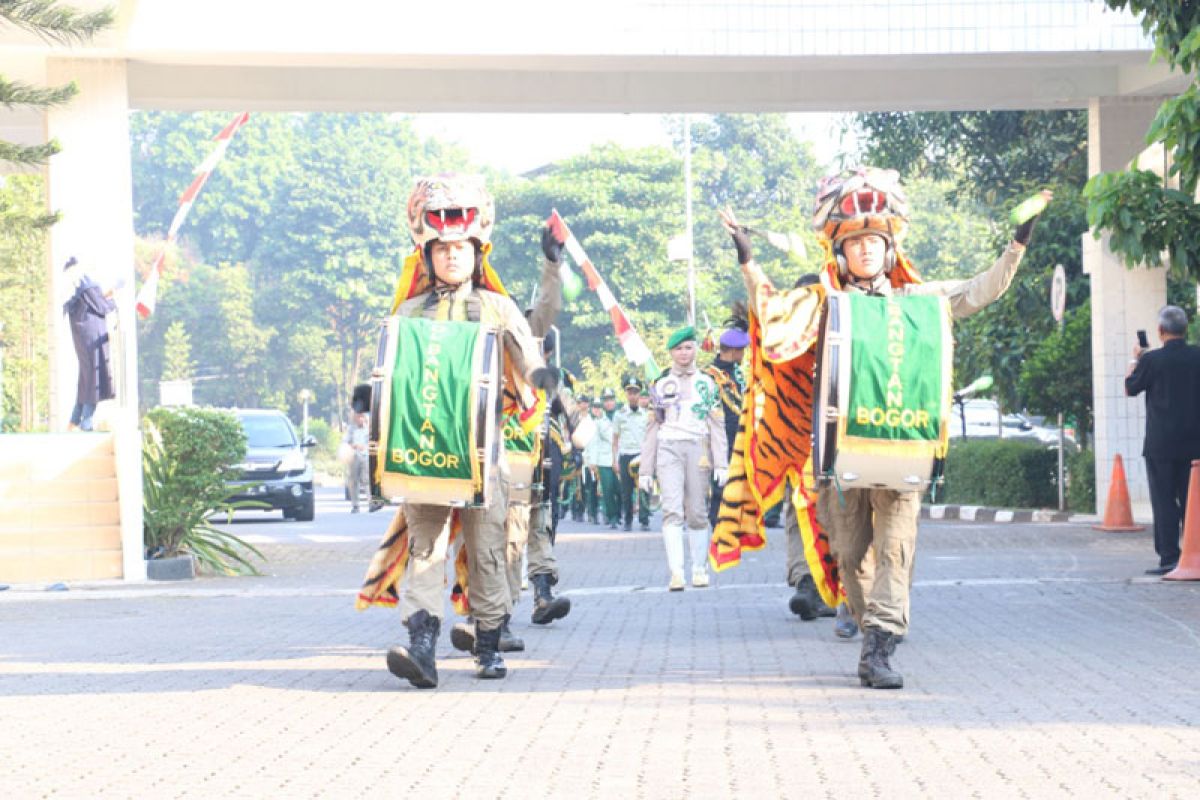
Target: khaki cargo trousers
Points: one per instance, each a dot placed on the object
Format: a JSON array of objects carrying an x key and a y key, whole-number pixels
[
  {"x": 858, "y": 521},
  {"x": 485, "y": 537}
]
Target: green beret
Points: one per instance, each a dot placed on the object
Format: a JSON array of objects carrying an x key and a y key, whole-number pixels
[{"x": 685, "y": 334}]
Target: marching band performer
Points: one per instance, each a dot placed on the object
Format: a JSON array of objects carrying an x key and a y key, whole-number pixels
[
  {"x": 861, "y": 217},
  {"x": 529, "y": 527},
  {"x": 448, "y": 277},
  {"x": 684, "y": 446}
]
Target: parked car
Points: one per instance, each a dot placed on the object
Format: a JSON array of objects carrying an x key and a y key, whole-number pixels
[
  {"x": 277, "y": 462},
  {"x": 984, "y": 422}
]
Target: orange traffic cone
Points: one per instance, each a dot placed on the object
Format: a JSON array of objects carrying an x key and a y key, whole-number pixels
[
  {"x": 1118, "y": 515},
  {"x": 1189, "y": 561}
]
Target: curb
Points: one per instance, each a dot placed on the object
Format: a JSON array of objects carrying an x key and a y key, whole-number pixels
[{"x": 983, "y": 514}]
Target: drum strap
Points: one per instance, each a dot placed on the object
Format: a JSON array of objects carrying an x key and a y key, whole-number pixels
[{"x": 474, "y": 304}]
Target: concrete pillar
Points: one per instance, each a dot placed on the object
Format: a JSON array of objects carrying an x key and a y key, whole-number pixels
[
  {"x": 91, "y": 183},
  {"x": 1123, "y": 301}
]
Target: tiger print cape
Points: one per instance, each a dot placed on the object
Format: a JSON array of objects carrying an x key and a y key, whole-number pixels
[
  {"x": 774, "y": 438},
  {"x": 379, "y": 587}
]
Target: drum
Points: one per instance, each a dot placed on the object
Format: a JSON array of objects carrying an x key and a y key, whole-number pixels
[
  {"x": 882, "y": 405},
  {"x": 435, "y": 392},
  {"x": 523, "y": 453}
]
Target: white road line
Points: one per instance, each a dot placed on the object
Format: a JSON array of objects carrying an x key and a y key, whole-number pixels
[{"x": 30, "y": 593}]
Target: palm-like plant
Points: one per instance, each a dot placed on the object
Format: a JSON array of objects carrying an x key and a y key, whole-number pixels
[{"x": 177, "y": 510}]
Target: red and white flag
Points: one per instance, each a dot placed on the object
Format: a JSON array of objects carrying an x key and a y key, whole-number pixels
[
  {"x": 635, "y": 349},
  {"x": 148, "y": 295}
]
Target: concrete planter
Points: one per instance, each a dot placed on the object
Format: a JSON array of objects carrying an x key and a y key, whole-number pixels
[{"x": 174, "y": 568}]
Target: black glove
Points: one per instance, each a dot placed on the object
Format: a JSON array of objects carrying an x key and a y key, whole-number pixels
[
  {"x": 360, "y": 400},
  {"x": 1024, "y": 231},
  {"x": 741, "y": 240},
  {"x": 552, "y": 248},
  {"x": 544, "y": 378}
]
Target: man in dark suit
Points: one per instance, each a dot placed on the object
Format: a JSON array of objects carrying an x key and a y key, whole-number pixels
[{"x": 1170, "y": 377}]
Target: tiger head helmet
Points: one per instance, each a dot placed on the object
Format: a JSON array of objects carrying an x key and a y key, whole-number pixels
[
  {"x": 860, "y": 201},
  {"x": 450, "y": 208}
]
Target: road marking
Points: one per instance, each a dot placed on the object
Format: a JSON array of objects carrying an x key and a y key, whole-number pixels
[
  {"x": 258, "y": 538},
  {"x": 36, "y": 593},
  {"x": 329, "y": 538}
]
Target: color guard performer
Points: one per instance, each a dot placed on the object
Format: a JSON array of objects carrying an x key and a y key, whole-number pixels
[{"x": 683, "y": 448}]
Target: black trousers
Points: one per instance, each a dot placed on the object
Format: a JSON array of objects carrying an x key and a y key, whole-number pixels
[
  {"x": 628, "y": 487},
  {"x": 1168, "y": 478},
  {"x": 552, "y": 477}
]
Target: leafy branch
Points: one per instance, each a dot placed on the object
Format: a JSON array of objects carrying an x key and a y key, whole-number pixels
[
  {"x": 1145, "y": 217},
  {"x": 54, "y": 22}
]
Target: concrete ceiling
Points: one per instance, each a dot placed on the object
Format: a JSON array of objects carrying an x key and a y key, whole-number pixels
[{"x": 173, "y": 63}]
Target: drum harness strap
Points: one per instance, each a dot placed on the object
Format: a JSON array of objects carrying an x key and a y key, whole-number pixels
[
  {"x": 831, "y": 474},
  {"x": 474, "y": 305}
]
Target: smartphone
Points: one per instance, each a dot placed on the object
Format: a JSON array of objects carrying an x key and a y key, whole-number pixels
[{"x": 1143, "y": 342}]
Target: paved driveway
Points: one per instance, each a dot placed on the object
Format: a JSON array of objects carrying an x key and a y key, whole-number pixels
[{"x": 1040, "y": 664}]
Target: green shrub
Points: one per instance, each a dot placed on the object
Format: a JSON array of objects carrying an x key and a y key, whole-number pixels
[
  {"x": 188, "y": 455},
  {"x": 1002, "y": 473},
  {"x": 327, "y": 438},
  {"x": 1081, "y": 482}
]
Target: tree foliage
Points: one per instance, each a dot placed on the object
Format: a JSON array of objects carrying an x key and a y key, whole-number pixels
[
  {"x": 986, "y": 163},
  {"x": 1051, "y": 380},
  {"x": 1144, "y": 217},
  {"x": 53, "y": 22},
  {"x": 177, "y": 353},
  {"x": 304, "y": 217},
  {"x": 24, "y": 402},
  {"x": 624, "y": 205}
]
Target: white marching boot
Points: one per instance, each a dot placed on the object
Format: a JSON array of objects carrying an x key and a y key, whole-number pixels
[
  {"x": 673, "y": 541},
  {"x": 699, "y": 539}
]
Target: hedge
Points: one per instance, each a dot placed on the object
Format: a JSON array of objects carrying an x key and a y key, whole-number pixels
[
  {"x": 1081, "y": 482},
  {"x": 1001, "y": 473}
]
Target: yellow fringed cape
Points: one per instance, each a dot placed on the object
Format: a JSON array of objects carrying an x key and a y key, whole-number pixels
[
  {"x": 774, "y": 439},
  {"x": 529, "y": 405}
]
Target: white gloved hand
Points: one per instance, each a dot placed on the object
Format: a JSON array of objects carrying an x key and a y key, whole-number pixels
[
  {"x": 646, "y": 483},
  {"x": 720, "y": 476}
]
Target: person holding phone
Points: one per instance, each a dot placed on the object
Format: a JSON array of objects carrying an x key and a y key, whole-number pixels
[{"x": 1170, "y": 377}]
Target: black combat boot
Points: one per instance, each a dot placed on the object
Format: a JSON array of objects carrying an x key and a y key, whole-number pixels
[
  {"x": 462, "y": 636},
  {"x": 415, "y": 663},
  {"x": 509, "y": 642},
  {"x": 844, "y": 627},
  {"x": 873, "y": 667},
  {"x": 547, "y": 607},
  {"x": 806, "y": 602},
  {"x": 488, "y": 661}
]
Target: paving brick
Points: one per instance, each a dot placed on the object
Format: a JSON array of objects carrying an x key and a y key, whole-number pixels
[{"x": 1040, "y": 664}]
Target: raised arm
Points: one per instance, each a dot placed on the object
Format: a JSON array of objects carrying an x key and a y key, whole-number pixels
[
  {"x": 974, "y": 294},
  {"x": 549, "y": 297},
  {"x": 789, "y": 321}
]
